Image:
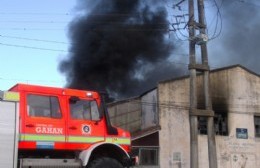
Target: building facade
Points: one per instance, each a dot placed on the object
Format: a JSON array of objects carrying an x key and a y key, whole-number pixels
[{"x": 161, "y": 135}]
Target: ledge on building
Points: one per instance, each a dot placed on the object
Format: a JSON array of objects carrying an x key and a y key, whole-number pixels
[{"x": 145, "y": 132}]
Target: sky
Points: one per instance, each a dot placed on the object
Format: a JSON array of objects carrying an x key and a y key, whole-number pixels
[{"x": 33, "y": 40}]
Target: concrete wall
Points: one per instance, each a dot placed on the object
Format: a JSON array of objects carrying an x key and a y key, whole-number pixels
[
  {"x": 126, "y": 114},
  {"x": 149, "y": 109},
  {"x": 234, "y": 90},
  {"x": 135, "y": 114},
  {"x": 243, "y": 103},
  {"x": 174, "y": 122},
  {"x": 138, "y": 115}
]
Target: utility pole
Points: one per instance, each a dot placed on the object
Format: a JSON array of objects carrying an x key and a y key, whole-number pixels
[
  {"x": 200, "y": 39},
  {"x": 208, "y": 103},
  {"x": 193, "y": 92}
]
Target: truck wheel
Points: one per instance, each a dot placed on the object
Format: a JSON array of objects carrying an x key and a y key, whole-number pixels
[{"x": 105, "y": 162}]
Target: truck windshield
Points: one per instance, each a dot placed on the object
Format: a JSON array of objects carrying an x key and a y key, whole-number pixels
[{"x": 84, "y": 110}]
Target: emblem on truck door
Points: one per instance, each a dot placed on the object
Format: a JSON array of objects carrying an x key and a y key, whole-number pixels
[{"x": 86, "y": 129}]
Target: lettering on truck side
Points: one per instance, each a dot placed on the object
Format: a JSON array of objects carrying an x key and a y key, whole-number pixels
[{"x": 49, "y": 130}]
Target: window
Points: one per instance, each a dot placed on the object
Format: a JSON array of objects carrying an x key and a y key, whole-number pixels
[
  {"x": 257, "y": 126},
  {"x": 43, "y": 106},
  {"x": 220, "y": 122},
  {"x": 147, "y": 156},
  {"x": 202, "y": 125},
  {"x": 221, "y": 126},
  {"x": 84, "y": 109}
]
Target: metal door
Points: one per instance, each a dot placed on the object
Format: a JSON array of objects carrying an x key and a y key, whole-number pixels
[
  {"x": 43, "y": 124},
  {"x": 8, "y": 134},
  {"x": 85, "y": 126}
]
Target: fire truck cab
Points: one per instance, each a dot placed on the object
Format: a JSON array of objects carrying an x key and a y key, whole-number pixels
[{"x": 56, "y": 127}]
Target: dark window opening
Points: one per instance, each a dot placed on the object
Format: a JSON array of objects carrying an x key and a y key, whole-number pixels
[
  {"x": 220, "y": 123},
  {"x": 202, "y": 125},
  {"x": 147, "y": 156},
  {"x": 43, "y": 106},
  {"x": 257, "y": 126}
]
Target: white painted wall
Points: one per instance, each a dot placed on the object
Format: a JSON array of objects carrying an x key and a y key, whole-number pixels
[
  {"x": 149, "y": 109},
  {"x": 239, "y": 90},
  {"x": 174, "y": 122}
]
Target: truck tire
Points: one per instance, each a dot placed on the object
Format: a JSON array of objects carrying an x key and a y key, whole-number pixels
[{"x": 105, "y": 162}]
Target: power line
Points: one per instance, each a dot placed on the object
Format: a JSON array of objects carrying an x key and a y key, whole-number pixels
[
  {"x": 48, "y": 49},
  {"x": 70, "y": 14},
  {"x": 29, "y": 80},
  {"x": 95, "y": 29},
  {"x": 28, "y": 13},
  {"x": 88, "y": 23},
  {"x": 31, "y": 39},
  {"x": 186, "y": 64},
  {"x": 30, "y": 29},
  {"x": 248, "y": 3},
  {"x": 185, "y": 105},
  {"x": 30, "y": 47},
  {"x": 218, "y": 15},
  {"x": 32, "y": 21},
  {"x": 178, "y": 4},
  {"x": 180, "y": 19},
  {"x": 167, "y": 4}
]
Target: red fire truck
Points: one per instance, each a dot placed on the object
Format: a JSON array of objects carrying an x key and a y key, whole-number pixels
[{"x": 55, "y": 127}]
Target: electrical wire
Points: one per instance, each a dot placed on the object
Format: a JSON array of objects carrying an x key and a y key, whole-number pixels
[
  {"x": 31, "y": 29},
  {"x": 178, "y": 29},
  {"x": 56, "y": 50},
  {"x": 215, "y": 34},
  {"x": 88, "y": 23},
  {"x": 32, "y": 39},
  {"x": 218, "y": 26},
  {"x": 167, "y": 4},
  {"x": 184, "y": 105},
  {"x": 30, "y": 47},
  {"x": 248, "y": 3},
  {"x": 29, "y": 80},
  {"x": 95, "y": 29},
  {"x": 33, "y": 14},
  {"x": 69, "y": 14},
  {"x": 31, "y": 21}
]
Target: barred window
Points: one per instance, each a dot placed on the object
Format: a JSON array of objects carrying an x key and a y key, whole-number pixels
[{"x": 220, "y": 123}]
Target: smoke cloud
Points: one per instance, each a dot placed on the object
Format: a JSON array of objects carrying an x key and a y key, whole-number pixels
[
  {"x": 119, "y": 46},
  {"x": 239, "y": 40},
  {"x": 122, "y": 46}
]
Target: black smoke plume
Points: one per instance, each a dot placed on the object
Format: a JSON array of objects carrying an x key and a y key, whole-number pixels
[
  {"x": 119, "y": 46},
  {"x": 239, "y": 40}
]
